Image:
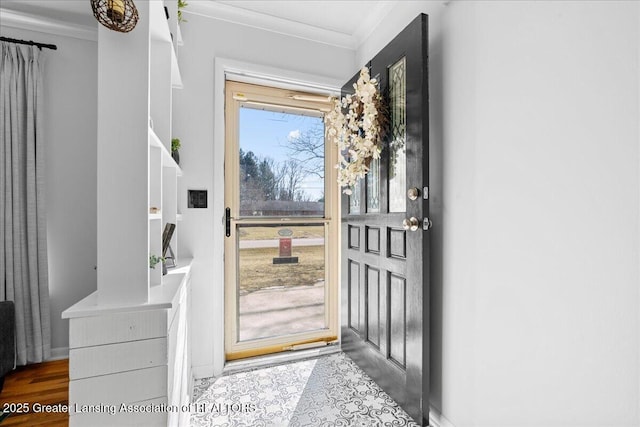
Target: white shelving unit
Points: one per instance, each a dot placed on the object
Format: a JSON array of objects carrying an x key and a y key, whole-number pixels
[{"x": 129, "y": 340}]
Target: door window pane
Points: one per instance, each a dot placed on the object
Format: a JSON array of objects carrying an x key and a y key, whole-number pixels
[
  {"x": 354, "y": 198},
  {"x": 281, "y": 280},
  {"x": 281, "y": 163},
  {"x": 373, "y": 187},
  {"x": 397, "y": 144}
]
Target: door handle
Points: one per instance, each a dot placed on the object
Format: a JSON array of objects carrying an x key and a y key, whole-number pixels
[
  {"x": 411, "y": 223},
  {"x": 227, "y": 222}
]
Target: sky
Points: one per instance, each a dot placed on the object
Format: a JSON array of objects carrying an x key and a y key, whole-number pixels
[{"x": 267, "y": 133}]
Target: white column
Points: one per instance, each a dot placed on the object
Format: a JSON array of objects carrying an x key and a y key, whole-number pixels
[{"x": 123, "y": 150}]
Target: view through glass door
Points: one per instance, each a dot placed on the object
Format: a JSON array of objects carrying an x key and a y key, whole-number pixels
[{"x": 281, "y": 239}]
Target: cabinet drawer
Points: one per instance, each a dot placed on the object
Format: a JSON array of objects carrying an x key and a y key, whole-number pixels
[
  {"x": 117, "y": 327},
  {"x": 124, "y": 387},
  {"x": 88, "y": 362}
]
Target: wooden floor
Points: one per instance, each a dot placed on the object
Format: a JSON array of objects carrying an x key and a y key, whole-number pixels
[{"x": 40, "y": 385}]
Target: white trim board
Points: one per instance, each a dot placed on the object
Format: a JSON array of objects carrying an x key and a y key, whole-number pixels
[
  {"x": 280, "y": 82},
  {"x": 271, "y": 76},
  {"x": 436, "y": 419},
  {"x": 201, "y": 372},
  {"x": 24, "y": 21},
  {"x": 59, "y": 353}
]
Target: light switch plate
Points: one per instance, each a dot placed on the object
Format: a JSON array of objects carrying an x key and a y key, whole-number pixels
[{"x": 197, "y": 199}]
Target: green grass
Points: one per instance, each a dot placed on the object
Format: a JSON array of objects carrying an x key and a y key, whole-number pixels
[{"x": 257, "y": 270}]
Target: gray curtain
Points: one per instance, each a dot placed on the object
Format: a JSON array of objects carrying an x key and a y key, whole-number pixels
[{"x": 23, "y": 254}]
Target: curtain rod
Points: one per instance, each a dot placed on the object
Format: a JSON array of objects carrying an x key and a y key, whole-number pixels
[{"x": 30, "y": 43}]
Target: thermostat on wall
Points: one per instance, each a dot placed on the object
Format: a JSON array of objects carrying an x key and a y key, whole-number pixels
[{"x": 197, "y": 199}]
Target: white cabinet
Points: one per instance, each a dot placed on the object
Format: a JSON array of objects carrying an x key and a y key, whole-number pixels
[{"x": 131, "y": 365}]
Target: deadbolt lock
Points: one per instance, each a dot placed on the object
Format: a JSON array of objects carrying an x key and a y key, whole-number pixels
[{"x": 413, "y": 193}]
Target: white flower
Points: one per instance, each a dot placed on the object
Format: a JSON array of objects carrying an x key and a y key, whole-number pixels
[{"x": 357, "y": 132}]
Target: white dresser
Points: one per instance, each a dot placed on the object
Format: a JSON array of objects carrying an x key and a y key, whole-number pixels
[{"x": 130, "y": 365}]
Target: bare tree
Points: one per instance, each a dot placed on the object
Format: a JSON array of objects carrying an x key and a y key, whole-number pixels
[
  {"x": 262, "y": 178},
  {"x": 289, "y": 176},
  {"x": 307, "y": 148}
]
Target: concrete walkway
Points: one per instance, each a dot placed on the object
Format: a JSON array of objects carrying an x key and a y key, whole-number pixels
[
  {"x": 281, "y": 311},
  {"x": 273, "y": 243}
]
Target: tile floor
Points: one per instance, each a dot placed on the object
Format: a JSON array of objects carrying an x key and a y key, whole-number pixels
[{"x": 326, "y": 391}]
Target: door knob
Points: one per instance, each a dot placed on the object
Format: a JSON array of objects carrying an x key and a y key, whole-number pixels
[{"x": 410, "y": 223}]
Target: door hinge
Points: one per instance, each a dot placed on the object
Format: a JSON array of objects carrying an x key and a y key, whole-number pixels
[{"x": 425, "y": 193}]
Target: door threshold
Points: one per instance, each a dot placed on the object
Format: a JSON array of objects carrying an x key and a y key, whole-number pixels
[{"x": 252, "y": 363}]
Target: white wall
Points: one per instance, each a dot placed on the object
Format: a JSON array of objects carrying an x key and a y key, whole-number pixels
[
  {"x": 201, "y": 232},
  {"x": 537, "y": 211},
  {"x": 70, "y": 123}
]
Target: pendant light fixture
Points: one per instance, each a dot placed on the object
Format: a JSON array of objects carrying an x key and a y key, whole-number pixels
[{"x": 117, "y": 15}]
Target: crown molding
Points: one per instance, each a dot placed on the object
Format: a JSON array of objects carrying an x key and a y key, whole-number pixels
[
  {"x": 236, "y": 15},
  {"x": 24, "y": 21},
  {"x": 223, "y": 12}
]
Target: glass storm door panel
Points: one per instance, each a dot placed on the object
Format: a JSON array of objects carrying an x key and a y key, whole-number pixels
[
  {"x": 281, "y": 280},
  {"x": 278, "y": 247},
  {"x": 281, "y": 162}
]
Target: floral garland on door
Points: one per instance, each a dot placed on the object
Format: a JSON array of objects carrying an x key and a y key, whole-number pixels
[{"x": 359, "y": 132}]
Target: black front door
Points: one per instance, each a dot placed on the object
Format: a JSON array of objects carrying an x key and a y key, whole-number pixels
[{"x": 385, "y": 238}]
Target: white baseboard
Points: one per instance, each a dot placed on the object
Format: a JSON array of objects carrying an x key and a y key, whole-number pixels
[
  {"x": 436, "y": 419},
  {"x": 204, "y": 371},
  {"x": 59, "y": 353}
]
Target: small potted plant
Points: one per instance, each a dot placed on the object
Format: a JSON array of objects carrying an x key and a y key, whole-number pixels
[
  {"x": 154, "y": 260},
  {"x": 175, "y": 146},
  {"x": 181, "y": 5}
]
